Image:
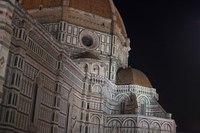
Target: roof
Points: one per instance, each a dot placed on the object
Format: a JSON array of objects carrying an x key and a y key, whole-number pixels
[
  {"x": 102, "y": 8},
  {"x": 97, "y": 7},
  {"x": 35, "y": 4},
  {"x": 132, "y": 76}
]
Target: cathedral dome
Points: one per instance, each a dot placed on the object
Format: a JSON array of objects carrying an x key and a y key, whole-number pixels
[
  {"x": 98, "y": 7},
  {"x": 132, "y": 76},
  {"x": 57, "y": 10}
]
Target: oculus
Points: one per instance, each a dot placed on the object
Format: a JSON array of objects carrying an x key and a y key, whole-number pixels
[{"x": 89, "y": 39}]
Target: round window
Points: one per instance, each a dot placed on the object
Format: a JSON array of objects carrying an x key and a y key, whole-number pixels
[{"x": 87, "y": 41}]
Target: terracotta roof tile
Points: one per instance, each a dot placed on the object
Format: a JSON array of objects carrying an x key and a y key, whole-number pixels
[
  {"x": 97, "y": 7},
  {"x": 35, "y": 4}
]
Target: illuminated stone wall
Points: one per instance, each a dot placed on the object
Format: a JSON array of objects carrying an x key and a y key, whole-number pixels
[{"x": 56, "y": 83}]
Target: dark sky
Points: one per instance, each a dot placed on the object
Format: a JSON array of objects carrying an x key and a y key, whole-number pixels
[{"x": 165, "y": 42}]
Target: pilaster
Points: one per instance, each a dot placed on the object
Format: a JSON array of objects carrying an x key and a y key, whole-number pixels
[{"x": 6, "y": 13}]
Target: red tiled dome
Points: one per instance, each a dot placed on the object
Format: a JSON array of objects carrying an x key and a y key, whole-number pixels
[
  {"x": 102, "y": 8},
  {"x": 132, "y": 76}
]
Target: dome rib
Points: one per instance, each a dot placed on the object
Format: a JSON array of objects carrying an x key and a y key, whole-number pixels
[{"x": 120, "y": 22}]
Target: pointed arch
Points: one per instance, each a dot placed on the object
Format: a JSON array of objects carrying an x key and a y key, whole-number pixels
[
  {"x": 143, "y": 97},
  {"x": 144, "y": 126},
  {"x": 114, "y": 122},
  {"x": 129, "y": 125},
  {"x": 114, "y": 126},
  {"x": 129, "y": 122},
  {"x": 143, "y": 102},
  {"x": 166, "y": 127},
  {"x": 97, "y": 88},
  {"x": 96, "y": 119},
  {"x": 155, "y": 127},
  {"x": 95, "y": 126},
  {"x": 144, "y": 123},
  {"x": 122, "y": 97}
]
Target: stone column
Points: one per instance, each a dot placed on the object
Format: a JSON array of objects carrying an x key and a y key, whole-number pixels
[{"x": 6, "y": 13}]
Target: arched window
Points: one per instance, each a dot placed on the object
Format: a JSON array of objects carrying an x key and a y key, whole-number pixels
[
  {"x": 96, "y": 69},
  {"x": 86, "y": 129},
  {"x": 143, "y": 108},
  {"x": 80, "y": 128},
  {"x": 97, "y": 89},
  {"x": 144, "y": 127},
  {"x": 86, "y": 68},
  {"x": 114, "y": 126},
  {"x": 155, "y": 127},
  {"x": 122, "y": 109},
  {"x": 143, "y": 105},
  {"x": 9, "y": 98},
  {"x": 7, "y": 116},
  {"x": 95, "y": 127},
  {"x": 167, "y": 128},
  {"x": 128, "y": 126}
]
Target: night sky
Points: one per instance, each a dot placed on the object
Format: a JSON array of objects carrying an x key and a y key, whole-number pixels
[{"x": 165, "y": 43}]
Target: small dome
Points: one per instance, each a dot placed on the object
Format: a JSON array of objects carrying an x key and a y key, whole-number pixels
[
  {"x": 88, "y": 55},
  {"x": 132, "y": 76}
]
